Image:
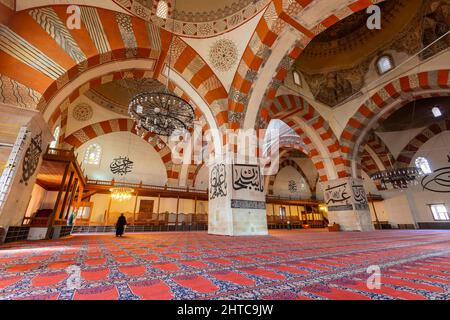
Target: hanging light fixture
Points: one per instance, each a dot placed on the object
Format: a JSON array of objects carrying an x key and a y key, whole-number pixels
[
  {"x": 121, "y": 193},
  {"x": 399, "y": 178},
  {"x": 161, "y": 112}
]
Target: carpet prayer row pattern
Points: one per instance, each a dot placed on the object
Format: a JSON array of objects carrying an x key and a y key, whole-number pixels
[{"x": 286, "y": 265}]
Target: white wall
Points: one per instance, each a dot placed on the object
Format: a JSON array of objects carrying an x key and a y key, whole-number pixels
[
  {"x": 148, "y": 166},
  {"x": 398, "y": 209},
  {"x": 37, "y": 198},
  {"x": 201, "y": 181},
  {"x": 281, "y": 185}
]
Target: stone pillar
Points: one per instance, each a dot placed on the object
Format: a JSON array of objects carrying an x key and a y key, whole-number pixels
[
  {"x": 237, "y": 200},
  {"x": 347, "y": 204},
  {"x": 19, "y": 177}
]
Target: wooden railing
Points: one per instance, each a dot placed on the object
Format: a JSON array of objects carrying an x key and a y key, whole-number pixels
[
  {"x": 143, "y": 186},
  {"x": 274, "y": 198}
]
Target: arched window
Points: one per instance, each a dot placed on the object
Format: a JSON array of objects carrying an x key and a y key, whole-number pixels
[
  {"x": 436, "y": 112},
  {"x": 423, "y": 164},
  {"x": 297, "y": 79},
  {"x": 385, "y": 64},
  {"x": 162, "y": 9},
  {"x": 56, "y": 137},
  {"x": 93, "y": 154}
]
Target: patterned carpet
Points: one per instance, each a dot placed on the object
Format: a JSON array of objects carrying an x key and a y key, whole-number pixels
[{"x": 295, "y": 264}]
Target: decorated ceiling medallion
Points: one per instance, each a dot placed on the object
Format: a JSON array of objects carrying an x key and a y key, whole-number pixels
[
  {"x": 82, "y": 112},
  {"x": 223, "y": 55}
]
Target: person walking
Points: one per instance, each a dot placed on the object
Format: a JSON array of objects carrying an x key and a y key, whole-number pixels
[
  {"x": 120, "y": 225},
  {"x": 71, "y": 218}
]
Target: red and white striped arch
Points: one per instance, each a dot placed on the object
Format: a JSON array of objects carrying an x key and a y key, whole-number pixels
[
  {"x": 62, "y": 111},
  {"x": 279, "y": 18},
  {"x": 322, "y": 144},
  {"x": 409, "y": 151},
  {"x": 382, "y": 104},
  {"x": 61, "y": 52},
  {"x": 98, "y": 129}
]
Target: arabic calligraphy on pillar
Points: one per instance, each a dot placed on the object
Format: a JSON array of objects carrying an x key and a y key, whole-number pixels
[
  {"x": 218, "y": 185},
  {"x": 359, "y": 193},
  {"x": 247, "y": 177},
  {"x": 337, "y": 194}
]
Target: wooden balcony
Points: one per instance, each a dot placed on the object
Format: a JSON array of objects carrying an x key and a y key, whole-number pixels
[
  {"x": 103, "y": 186},
  {"x": 291, "y": 200}
]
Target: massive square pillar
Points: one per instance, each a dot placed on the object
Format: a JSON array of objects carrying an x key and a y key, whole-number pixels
[
  {"x": 347, "y": 204},
  {"x": 237, "y": 200},
  {"x": 19, "y": 176}
]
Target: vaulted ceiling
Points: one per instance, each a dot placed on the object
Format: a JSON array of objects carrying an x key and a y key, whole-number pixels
[{"x": 231, "y": 59}]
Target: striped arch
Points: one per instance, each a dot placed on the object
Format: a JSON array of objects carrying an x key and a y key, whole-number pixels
[
  {"x": 51, "y": 56},
  {"x": 409, "y": 151},
  {"x": 284, "y": 164},
  {"x": 369, "y": 166},
  {"x": 98, "y": 129},
  {"x": 381, "y": 150},
  {"x": 382, "y": 104},
  {"x": 62, "y": 111},
  {"x": 279, "y": 18},
  {"x": 298, "y": 114}
]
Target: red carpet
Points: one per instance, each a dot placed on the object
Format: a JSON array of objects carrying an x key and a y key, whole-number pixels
[{"x": 291, "y": 265}]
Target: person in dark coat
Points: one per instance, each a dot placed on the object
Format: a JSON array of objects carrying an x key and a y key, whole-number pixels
[{"x": 120, "y": 225}]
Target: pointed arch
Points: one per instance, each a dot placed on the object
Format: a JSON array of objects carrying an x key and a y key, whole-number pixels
[
  {"x": 409, "y": 151},
  {"x": 289, "y": 163},
  {"x": 280, "y": 37},
  {"x": 323, "y": 146},
  {"x": 52, "y": 56},
  {"x": 383, "y": 103},
  {"x": 98, "y": 129}
]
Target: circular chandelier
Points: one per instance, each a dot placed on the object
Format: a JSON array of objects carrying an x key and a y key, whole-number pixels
[
  {"x": 161, "y": 113},
  {"x": 121, "y": 193},
  {"x": 400, "y": 178}
]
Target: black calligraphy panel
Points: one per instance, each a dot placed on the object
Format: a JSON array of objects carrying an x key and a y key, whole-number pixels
[
  {"x": 438, "y": 181},
  {"x": 360, "y": 198},
  {"x": 31, "y": 159},
  {"x": 121, "y": 166},
  {"x": 338, "y": 198},
  {"x": 217, "y": 182},
  {"x": 247, "y": 177}
]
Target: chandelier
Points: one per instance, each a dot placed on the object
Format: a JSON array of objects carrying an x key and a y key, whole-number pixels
[
  {"x": 121, "y": 193},
  {"x": 400, "y": 178},
  {"x": 161, "y": 113}
]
